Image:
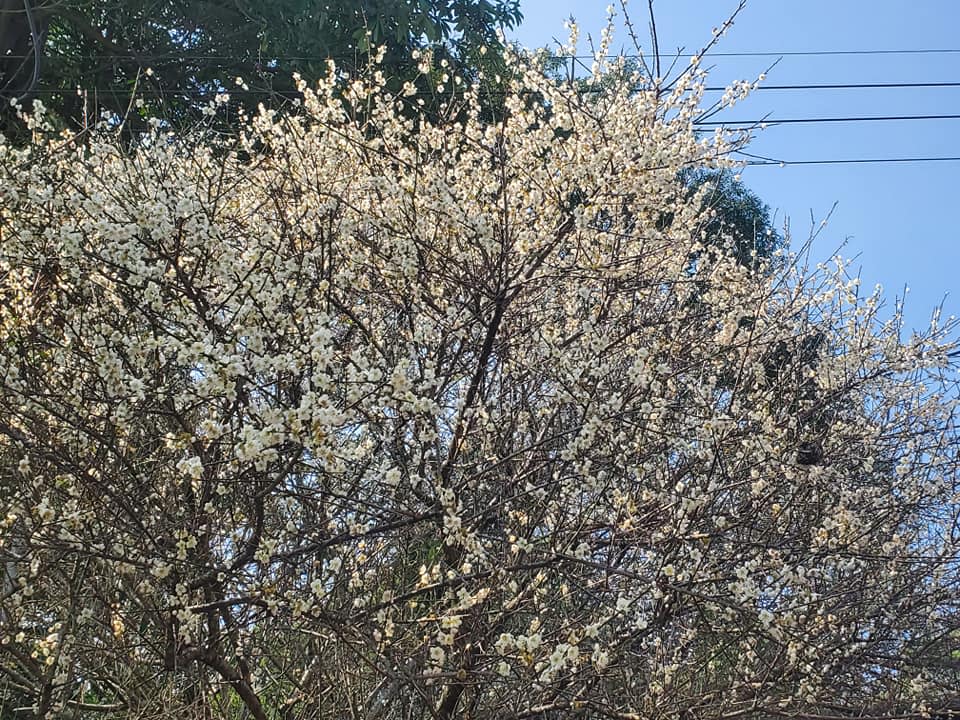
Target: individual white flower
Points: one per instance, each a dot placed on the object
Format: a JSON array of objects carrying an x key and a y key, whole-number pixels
[
  {"x": 44, "y": 511},
  {"x": 392, "y": 477},
  {"x": 192, "y": 467}
]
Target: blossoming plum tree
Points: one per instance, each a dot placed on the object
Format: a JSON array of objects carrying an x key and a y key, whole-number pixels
[{"x": 371, "y": 414}]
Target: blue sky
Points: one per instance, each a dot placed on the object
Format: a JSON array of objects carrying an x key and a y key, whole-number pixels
[{"x": 899, "y": 220}]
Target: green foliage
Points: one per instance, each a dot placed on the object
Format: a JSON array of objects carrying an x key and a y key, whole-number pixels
[
  {"x": 740, "y": 220},
  {"x": 195, "y": 47}
]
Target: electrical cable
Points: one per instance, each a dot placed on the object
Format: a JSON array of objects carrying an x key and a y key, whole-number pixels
[
  {"x": 343, "y": 56},
  {"x": 749, "y": 124},
  {"x": 850, "y": 161},
  {"x": 846, "y": 86}
]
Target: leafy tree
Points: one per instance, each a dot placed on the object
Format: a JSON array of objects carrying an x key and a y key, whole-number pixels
[
  {"x": 735, "y": 217},
  {"x": 366, "y": 418},
  {"x": 193, "y": 47}
]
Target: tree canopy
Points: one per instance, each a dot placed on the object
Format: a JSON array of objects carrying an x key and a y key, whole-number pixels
[
  {"x": 358, "y": 414},
  {"x": 734, "y": 215},
  {"x": 194, "y": 47}
]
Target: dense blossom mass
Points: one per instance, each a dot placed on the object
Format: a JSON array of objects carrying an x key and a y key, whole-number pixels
[{"x": 372, "y": 412}]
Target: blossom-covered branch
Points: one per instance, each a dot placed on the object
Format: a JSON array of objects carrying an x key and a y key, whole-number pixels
[{"x": 374, "y": 414}]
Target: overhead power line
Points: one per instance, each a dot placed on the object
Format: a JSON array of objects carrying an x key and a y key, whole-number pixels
[
  {"x": 747, "y": 124},
  {"x": 714, "y": 88},
  {"x": 734, "y": 124},
  {"x": 850, "y": 161},
  {"x": 630, "y": 56},
  {"x": 808, "y": 53},
  {"x": 848, "y": 86}
]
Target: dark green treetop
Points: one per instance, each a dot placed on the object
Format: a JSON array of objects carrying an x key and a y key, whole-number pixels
[
  {"x": 194, "y": 48},
  {"x": 736, "y": 217}
]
